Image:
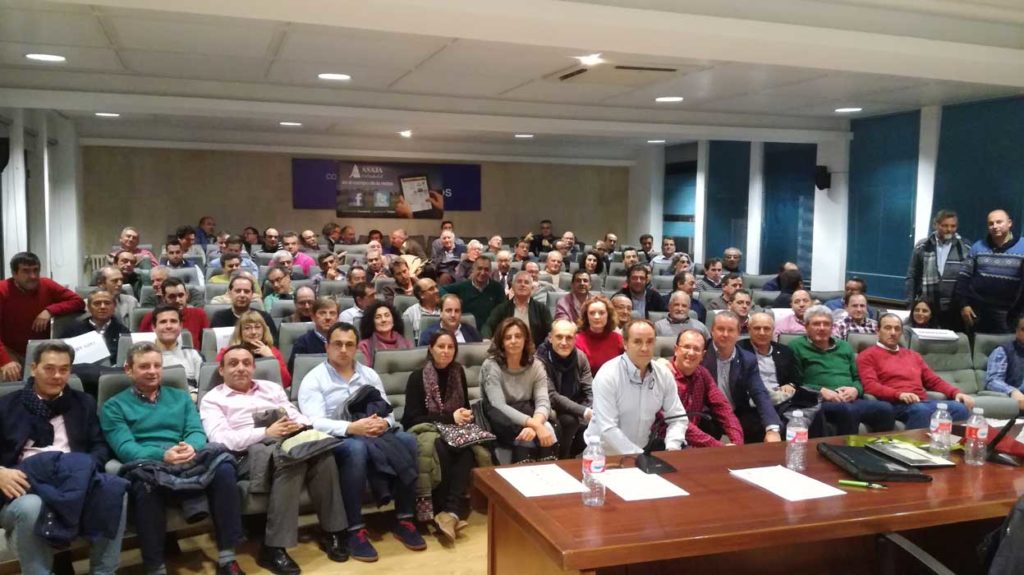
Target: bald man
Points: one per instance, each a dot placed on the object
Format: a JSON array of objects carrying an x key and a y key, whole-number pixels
[{"x": 990, "y": 282}]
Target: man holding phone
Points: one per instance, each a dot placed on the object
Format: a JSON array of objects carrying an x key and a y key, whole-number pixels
[{"x": 230, "y": 414}]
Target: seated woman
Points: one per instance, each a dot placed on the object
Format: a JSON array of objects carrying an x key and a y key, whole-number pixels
[
  {"x": 593, "y": 263},
  {"x": 252, "y": 331},
  {"x": 515, "y": 389},
  {"x": 380, "y": 328},
  {"x": 438, "y": 394},
  {"x": 597, "y": 338},
  {"x": 921, "y": 316}
]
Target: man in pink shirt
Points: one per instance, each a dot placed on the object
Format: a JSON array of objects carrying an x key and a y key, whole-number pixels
[
  {"x": 290, "y": 241},
  {"x": 799, "y": 303},
  {"x": 229, "y": 412},
  {"x": 900, "y": 376}
]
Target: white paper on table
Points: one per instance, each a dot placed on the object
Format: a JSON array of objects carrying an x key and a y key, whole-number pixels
[
  {"x": 540, "y": 480},
  {"x": 89, "y": 347},
  {"x": 149, "y": 336},
  {"x": 903, "y": 314},
  {"x": 632, "y": 484},
  {"x": 786, "y": 483},
  {"x": 223, "y": 336}
]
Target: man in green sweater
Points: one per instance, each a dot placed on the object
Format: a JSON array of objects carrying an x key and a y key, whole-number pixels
[
  {"x": 479, "y": 294},
  {"x": 151, "y": 422},
  {"x": 829, "y": 365}
]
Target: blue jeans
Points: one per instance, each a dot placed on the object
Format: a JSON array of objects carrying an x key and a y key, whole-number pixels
[
  {"x": 353, "y": 458},
  {"x": 919, "y": 415},
  {"x": 18, "y": 518},
  {"x": 847, "y": 416}
]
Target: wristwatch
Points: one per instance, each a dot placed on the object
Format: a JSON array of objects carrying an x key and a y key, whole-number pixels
[{"x": 770, "y": 428}]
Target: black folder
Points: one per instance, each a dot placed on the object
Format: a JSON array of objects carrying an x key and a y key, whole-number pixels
[{"x": 865, "y": 465}]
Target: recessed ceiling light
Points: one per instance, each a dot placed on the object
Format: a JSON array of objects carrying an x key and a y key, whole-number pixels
[
  {"x": 668, "y": 99},
  {"x": 291, "y": 124},
  {"x": 524, "y": 136},
  {"x": 591, "y": 59},
  {"x": 333, "y": 76},
  {"x": 655, "y": 141},
  {"x": 46, "y": 57},
  {"x": 405, "y": 133},
  {"x": 848, "y": 110},
  {"x": 108, "y": 114}
]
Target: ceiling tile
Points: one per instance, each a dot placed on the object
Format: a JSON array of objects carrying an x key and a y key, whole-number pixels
[
  {"x": 548, "y": 91},
  {"x": 344, "y": 46},
  {"x": 938, "y": 93},
  {"x": 363, "y": 77},
  {"x": 99, "y": 59},
  {"x": 194, "y": 66},
  {"x": 223, "y": 36},
  {"x": 423, "y": 82},
  {"x": 499, "y": 59},
  {"x": 45, "y": 27}
]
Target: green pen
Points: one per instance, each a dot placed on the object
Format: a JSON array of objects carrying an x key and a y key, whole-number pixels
[{"x": 865, "y": 484}]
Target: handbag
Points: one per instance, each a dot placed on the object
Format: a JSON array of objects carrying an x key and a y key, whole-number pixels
[{"x": 464, "y": 435}]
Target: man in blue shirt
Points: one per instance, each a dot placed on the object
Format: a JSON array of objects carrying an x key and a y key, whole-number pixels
[{"x": 1005, "y": 370}]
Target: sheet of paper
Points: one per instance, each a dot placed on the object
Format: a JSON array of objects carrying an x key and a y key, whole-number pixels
[
  {"x": 148, "y": 336},
  {"x": 540, "y": 480},
  {"x": 223, "y": 336},
  {"x": 935, "y": 334},
  {"x": 417, "y": 193},
  {"x": 89, "y": 347},
  {"x": 632, "y": 484},
  {"x": 901, "y": 313},
  {"x": 786, "y": 483}
]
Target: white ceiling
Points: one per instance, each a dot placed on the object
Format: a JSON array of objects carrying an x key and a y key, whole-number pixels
[{"x": 121, "y": 47}]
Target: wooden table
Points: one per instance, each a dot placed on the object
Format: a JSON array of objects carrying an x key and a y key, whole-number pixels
[{"x": 726, "y": 523}]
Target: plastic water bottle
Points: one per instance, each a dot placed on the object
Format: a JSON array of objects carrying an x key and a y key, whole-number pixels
[
  {"x": 796, "y": 442},
  {"x": 940, "y": 429},
  {"x": 593, "y": 467},
  {"x": 976, "y": 438}
]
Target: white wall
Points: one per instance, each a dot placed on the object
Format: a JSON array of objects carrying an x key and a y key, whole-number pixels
[
  {"x": 831, "y": 213},
  {"x": 646, "y": 195}
]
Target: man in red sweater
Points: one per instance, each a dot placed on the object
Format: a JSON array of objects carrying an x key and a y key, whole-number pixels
[
  {"x": 27, "y": 302},
  {"x": 700, "y": 395},
  {"x": 900, "y": 376},
  {"x": 192, "y": 318}
]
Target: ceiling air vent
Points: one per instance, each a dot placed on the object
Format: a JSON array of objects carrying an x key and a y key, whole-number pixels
[{"x": 634, "y": 75}]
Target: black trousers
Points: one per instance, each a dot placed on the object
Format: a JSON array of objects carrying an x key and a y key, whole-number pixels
[
  {"x": 570, "y": 435},
  {"x": 456, "y": 465}
]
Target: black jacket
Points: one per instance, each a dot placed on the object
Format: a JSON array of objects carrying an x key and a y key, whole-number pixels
[
  {"x": 81, "y": 422},
  {"x": 112, "y": 335},
  {"x": 785, "y": 361},
  {"x": 654, "y": 300},
  {"x": 540, "y": 319},
  {"x": 745, "y": 385},
  {"x": 309, "y": 343}
]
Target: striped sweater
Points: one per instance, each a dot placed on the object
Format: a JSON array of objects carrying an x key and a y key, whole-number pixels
[{"x": 992, "y": 276}]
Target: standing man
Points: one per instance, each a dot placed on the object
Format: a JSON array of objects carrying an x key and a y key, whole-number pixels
[
  {"x": 989, "y": 287},
  {"x": 629, "y": 392},
  {"x": 934, "y": 267},
  {"x": 324, "y": 398}
]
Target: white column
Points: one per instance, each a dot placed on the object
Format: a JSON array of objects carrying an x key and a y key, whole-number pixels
[
  {"x": 755, "y": 209},
  {"x": 36, "y": 186},
  {"x": 927, "y": 156},
  {"x": 700, "y": 204},
  {"x": 646, "y": 195},
  {"x": 65, "y": 239},
  {"x": 831, "y": 217},
  {"x": 14, "y": 198}
]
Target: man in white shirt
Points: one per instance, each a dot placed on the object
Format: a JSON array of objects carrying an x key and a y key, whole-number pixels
[
  {"x": 427, "y": 296},
  {"x": 629, "y": 391},
  {"x": 364, "y": 294}
]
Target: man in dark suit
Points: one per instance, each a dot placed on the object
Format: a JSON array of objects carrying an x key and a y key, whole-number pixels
[
  {"x": 737, "y": 375},
  {"x": 451, "y": 314},
  {"x": 325, "y": 314},
  {"x": 538, "y": 313},
  {"x": 240, "y": 290},
  {"x": 645, "y": 298},
  {"x": 101, "y": 319}
]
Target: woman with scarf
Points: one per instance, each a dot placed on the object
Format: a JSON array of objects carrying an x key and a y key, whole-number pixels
[
  {"x": 438, "y": 394},
  {"x": 380, "y": 328},
  {"x": 569, "y": 382}
]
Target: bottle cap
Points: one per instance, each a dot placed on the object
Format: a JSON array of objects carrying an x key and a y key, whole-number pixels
[
  {"x": 798, "y": 413},
  {"x": 978, "y": 411},
  {"x": 942, "y": 406}
]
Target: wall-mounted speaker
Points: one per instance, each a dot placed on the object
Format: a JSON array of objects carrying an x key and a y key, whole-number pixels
[{"x": 822, "y": 178}]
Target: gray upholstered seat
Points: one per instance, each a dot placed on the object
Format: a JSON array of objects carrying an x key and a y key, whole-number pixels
[
  {"x": 288, "y": 333},
  {"x": 756, "y": 281},
  {"x": 953, "y": 362}
]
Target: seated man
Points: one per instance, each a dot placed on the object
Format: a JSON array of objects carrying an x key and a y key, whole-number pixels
[
  {"x": 154, "y": 423},
  {"x": 630, "y": 257},
  {"x": 190, "y": 248},
  {"x": 280, "y": 286},
  {"x": 240, "y": 289},
  {"x": 376, "y": 265},
  {"x": 451, "y": 321},
  {"x": 205, "y": 231},
  {"x": 428, "y": 299},
  {"x": 647, "y": 247},
  {"x": 329, "y": 270},
  {"x": 331, "y": 233},
  {"x": 125, "y": 261},
  {"x": 285, "y": 261},
  {"x": 572, "y": 248},
  {"x": 229, "y": 413},
  {"x": 308, "y": 243},
  {"x": 48, "y": 416},
  {"x": 522, "y": 305},
  {"x": 679, "y": 319},
  {"x": 479, "y": 294},
  {"x": 396, "y": 242},
  {"x": 730, "y": 285},
  {"x": 503, "y": 271},
  {"x": 474, "y": 249},
  {"x": 445, "y": 255},
  {"x": 731, "y": 258},
  {"x": 305, "y": 297},
  {"x": 668, "y": 250},
  {"x": 553, "y": 265},
  {"x": 27, "y": 303},
  {"x": 325, "y": 399},
  {"x": 544, "y": 241},
  {"x": 100, "y": 306},
  {"x": 852, "y": 286},
  {"x": 622, "y": 308},
  {"x": 109, "y": 279},
  {"x": 774, "y": 284},
  {"x": 568, "y": 306},
  {"x": 740, "y": 305},
  {"x": 855, "y": 319},
  {"x": 271, "y": 241},
  {"x": 404, "y": 281},
  {"x": 522, "y": 253},
  {"x": 701, "y": 398},
  {"x": 167, "y": 326},
  {"x": 790, "y": 282},
  {"x": 736, "y": 373},
  {"x": 175, "y": 258},
  {"x": 828, "y": 365},
  {"x": 233, "y": 245},
  {"x": 363, "y": 294},
  {"x": 1004, "y": 372},
  {"x": 157, "y": 277},
  {"x": 325, "y": 314},
  {"x": 192, "y": 318},
  {"x": 643, "y": 297},
  {"x": 129, "y": 242},
  {"x": 230, "y": 265},
  {"x": 901, "y": 377},
  {"x": 569, "y": 386},
  {"x": 539, "y": 286},
  {"x": 630, "y": 391},
  {"x": 290, "y": 243},
  {"x": 687, "y": 282},
  {"x": 712, "y": 279},
  {"x": 799, "y": 303},
  {"x": 777, "y": 366}
]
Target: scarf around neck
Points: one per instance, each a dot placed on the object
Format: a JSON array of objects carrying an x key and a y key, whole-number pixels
[
  {"x": 561, "y": 370},
  {"x": 42, "y": 411},
  {"x": 453, "y": 399}
]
